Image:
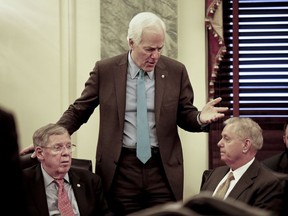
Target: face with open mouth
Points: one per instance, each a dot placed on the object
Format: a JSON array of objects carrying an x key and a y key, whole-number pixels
[
  {"x": 147, "y": 53},
  {"x": 56, "y": 156}
]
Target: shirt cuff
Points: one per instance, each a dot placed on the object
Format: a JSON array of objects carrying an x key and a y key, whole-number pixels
[{"x": 199, "y": 121}]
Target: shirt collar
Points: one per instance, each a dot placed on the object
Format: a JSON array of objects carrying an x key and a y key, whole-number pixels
[
  {"x": 134, "y": 69},
  {"x": 241, "y": 170}
]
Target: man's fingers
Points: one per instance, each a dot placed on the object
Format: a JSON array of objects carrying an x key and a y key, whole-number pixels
[
  {"x": 221, "y": 109},
  {"x": 215, "y": 101},
  {"x": 33, "y": 155},
  {"x": 27, "y": 150}
]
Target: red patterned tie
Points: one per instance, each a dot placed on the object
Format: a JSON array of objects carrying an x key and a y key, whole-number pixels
[{"x": 64, "y": 204}]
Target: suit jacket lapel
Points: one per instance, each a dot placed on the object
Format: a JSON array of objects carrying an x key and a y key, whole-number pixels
[
  {"x": 79, "y": 191},
  {"x": 120, "y": 78},
  {"x": 39, "y": 193},
  {"x": 160, "y": 81},
  {"x": 215, "y": 178},
  {"x": 245, "y": 181}
]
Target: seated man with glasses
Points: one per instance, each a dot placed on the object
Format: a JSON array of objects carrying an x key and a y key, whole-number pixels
[{"x": 53, "y": 148}]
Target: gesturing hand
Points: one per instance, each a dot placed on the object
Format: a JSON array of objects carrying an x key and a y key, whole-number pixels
[{"x": 210, "y": 113}]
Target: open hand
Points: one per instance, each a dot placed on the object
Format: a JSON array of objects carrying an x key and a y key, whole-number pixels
[{"x": 210, "y": 113}]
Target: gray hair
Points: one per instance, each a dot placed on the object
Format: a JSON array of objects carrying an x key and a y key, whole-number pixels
[
  {"x": 142, "y": 21},
  {"x": 41, "y": 136},
  {"x": 247, "y": 128}
]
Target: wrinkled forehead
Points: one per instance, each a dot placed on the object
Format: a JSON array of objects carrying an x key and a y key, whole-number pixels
[{"x": 59, "y": 138}]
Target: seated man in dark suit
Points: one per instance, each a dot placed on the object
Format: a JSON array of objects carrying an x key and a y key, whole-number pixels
[
  {"x": 251, "y": 183},
  {"x": 53, "y": 149},
  {"x": 279, "y": 162}
]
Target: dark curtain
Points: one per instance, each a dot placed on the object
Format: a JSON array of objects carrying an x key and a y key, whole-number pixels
[{"x": 216, "y": 45}]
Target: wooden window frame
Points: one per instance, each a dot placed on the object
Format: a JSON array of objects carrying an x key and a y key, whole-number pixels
[{"x": 270, "y": 116}]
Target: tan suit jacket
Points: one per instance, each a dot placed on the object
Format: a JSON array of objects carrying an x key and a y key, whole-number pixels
[{"x": 106, "y": 87}]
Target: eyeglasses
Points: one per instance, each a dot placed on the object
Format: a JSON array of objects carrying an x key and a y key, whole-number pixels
[{"x": 60, "y": 148}]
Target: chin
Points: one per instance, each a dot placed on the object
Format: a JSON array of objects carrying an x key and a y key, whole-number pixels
[
  {"x": 222, "y": 158},
  {"x": 65, "y": 167}
]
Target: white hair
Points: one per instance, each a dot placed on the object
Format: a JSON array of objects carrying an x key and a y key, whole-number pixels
[{"x": 139, "y": 22}]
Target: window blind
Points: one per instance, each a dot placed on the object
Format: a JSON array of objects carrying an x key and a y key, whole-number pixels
[{"x": 253, "y": 76}]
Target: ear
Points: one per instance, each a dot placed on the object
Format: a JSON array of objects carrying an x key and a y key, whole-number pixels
[
  {"x": 246, "y": 145},
  {"x": 39, "y": 153},
  {"x": 131, "y": 43}
]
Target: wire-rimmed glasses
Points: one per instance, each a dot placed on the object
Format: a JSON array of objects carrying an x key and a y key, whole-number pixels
[{"x": 59, "y": 148}]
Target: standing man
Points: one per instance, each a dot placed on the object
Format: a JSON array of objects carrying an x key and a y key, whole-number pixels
[{"x": 130, "y": 184}]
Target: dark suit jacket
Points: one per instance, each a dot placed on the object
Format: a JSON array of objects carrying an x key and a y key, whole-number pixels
[
  {"x": 11, "y": 178},
  {"x": 278, "y": 162},
  {"x": 89, "y": 195},
  {"x": 257, "y": 187},
  {"x": 106, "y": 87}
]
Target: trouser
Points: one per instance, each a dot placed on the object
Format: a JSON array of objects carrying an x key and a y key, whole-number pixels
[{"x": 137, "y": 186}]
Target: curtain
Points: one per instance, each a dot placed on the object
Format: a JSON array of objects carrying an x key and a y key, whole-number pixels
[{"x": 216, "y": 45}]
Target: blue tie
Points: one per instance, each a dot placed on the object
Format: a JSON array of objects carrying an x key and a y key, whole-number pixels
[{"x": 143, "y": 143}]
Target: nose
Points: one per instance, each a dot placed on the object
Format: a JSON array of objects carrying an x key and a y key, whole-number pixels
[
  {"x": 219, "y": 144},
  {"x": 155, "y": 54}
]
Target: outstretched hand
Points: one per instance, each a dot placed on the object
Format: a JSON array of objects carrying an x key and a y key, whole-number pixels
[
  {"x": 27, "y": 150},
  {"x": 210, "y": 113}
]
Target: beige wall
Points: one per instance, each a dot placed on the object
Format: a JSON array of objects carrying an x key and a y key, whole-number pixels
[{"x": 47, "y": 49}]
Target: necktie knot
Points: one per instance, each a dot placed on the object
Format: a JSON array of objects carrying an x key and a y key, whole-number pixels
[
  {"x": 141, "y": 74},
  {"x": 230, "y": 177},
  {"x": 60, "y": 182}
]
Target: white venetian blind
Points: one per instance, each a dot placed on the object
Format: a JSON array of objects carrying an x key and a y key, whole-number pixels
[{"x": 253, "y": 77}]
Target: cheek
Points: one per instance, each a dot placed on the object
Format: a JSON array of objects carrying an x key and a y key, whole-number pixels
[
  {"x": 53, "y": 160},
  {"x": 144, "y": 56},
  {"x": 140, "y": 57},
  {"x": 235, "y": 152},
  {"x": 229, "y": 149}
]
